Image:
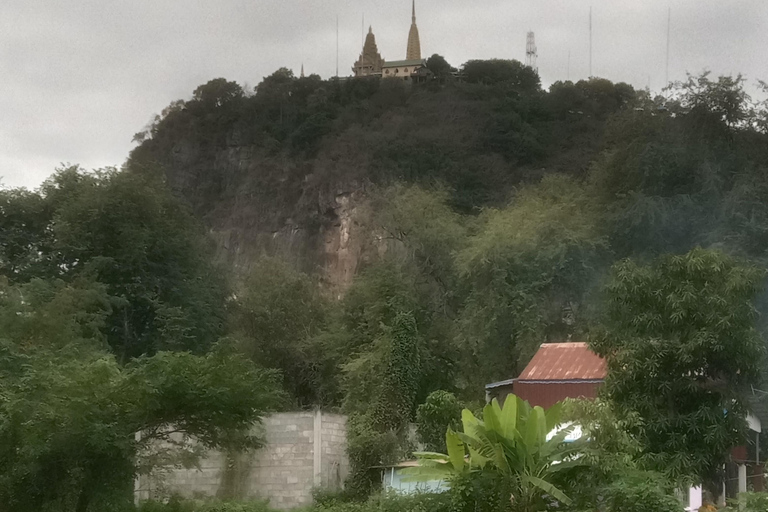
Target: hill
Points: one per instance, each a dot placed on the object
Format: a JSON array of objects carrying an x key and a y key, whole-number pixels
[{"x": 285, "y": 170}]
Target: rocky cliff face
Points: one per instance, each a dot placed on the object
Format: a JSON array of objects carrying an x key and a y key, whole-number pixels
[
  {"x": 334, "y": 249},
  {"x": 258, "y": 197},
  {"x": 293, "y": 180}
]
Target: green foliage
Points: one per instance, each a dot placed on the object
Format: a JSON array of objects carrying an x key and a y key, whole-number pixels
[
  {"x": 70, "y": 414},
  {"x": 528, "y": 270},
  {"x": 391, "y": 502},
  {"x": 382, "y": 294},
  {"x": 512, "y": 445},
  {"x": 439, "y": 66},
  {"x": 125, "y": 230},
  {"x": 749, "y": 502},
  {"x": 378, "y": 434},
  {"x": 454, "y": 291},
  {"x": 396, "y": 404},
  {"x": 642, "y": 491},
  {"x": 424, "y": 223},
  {"x": 681, "y": 347},
  {"x": 276, "y": 317},
  {"x": 24, "y": 219},
  {"x": 439, "y": 412},
  {"x": 180, "y": 505},
  {"x": 511, "y": 73}
]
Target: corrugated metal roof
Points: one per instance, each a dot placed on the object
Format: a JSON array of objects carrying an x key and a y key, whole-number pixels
[{"x": 564, "y": 362}]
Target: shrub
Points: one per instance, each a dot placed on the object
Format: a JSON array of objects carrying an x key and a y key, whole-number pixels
[
  {"x": 391, "y": 502},
  {"x": 440, "y": 411},
  {"x": 750, "y": 502},
  {"x": 641, "y": 491},
  {"x": 177, "y": 504}
]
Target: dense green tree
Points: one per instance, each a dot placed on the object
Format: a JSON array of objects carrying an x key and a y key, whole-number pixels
[
  {"x": 217, "y": 93},
  {"x": 26, "y": 242},
  {"x": 425, "y": 226},
  {"x": 278, "y": 316},
  {"x": 439, "y": 412},
  {"x": 511, "y": 73},
  {"x": 69, "y": 413},
  {"x": 439, "y": 66},
  {"x": 681, "y": 347},
  {"x": 378, "y": 429},
  {"x": 132, "y": 235},
  {"x": 528, "y": 270}
]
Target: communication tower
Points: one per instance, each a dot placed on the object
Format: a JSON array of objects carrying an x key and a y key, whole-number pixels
[{"x": 530, "y": 52}]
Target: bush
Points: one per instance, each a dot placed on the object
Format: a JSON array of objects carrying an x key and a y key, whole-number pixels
[
  {"x": 750, "y": 502},
  {"x": 176, "y": 504},
  {"x": 641, "y": 491},
  {"x": 325, "y": 497},
  {"x": 440, "y": 411},
  {"x": 393, "y": 502}
]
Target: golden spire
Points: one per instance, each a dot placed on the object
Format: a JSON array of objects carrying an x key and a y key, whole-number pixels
[
  {"x": 414, "y": 44},
  {"x": 370, "y": 60}
]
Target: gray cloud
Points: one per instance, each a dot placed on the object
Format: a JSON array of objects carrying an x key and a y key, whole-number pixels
[{"x": 79, "y": 78}]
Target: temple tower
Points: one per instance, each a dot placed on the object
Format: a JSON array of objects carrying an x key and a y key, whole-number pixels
[
  {"x": 414, "y": 44},
  {"x": 370, "y": 61}
]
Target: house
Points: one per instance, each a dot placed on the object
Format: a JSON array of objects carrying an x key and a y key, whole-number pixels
[
  {"x": 556, "y": 372},
  {"x": 571, "y": 370}
]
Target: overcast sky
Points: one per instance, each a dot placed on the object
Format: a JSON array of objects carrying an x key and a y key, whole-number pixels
[{"x": 79, "y": 77}]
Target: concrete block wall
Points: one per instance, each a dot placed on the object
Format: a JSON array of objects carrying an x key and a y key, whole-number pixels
[
  {"x": 303, "y": 450},
  {"x": 334, "y": 463}
]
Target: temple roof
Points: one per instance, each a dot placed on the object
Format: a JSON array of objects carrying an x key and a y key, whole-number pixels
[{"x": 402, "y": 63}]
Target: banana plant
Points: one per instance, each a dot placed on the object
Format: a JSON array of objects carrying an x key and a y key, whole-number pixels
[{"x": 523, "y": 444}]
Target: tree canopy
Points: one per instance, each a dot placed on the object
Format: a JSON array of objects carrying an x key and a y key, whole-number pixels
[
  {"x": 75, "y": 424},
  {"x": 682, "y": 350}
]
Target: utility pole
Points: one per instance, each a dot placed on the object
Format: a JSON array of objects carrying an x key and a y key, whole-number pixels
[
  {"x": 337, "y": 46},
  {"x": 590, "y": 41},
  {"x": 669, "y": 33}
]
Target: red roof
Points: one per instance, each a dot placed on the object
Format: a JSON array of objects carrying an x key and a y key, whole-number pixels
[{"x": 564, "y": 362}]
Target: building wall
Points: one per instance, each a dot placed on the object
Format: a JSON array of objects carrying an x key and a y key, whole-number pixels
[
  {"x": 548, "y": 394},
  {"x": 303, "y": 450}
]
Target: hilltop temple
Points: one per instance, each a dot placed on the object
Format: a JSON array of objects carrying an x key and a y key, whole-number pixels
[{"x": 371, "y": 63}]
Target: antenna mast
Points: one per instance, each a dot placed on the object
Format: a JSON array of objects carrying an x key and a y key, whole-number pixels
[
  {"x": 590, "y": 41},
  {"x": 337, "y": 46},
  {"x": 669, "y": 31},
  {"x": 530, "y": 52}
]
